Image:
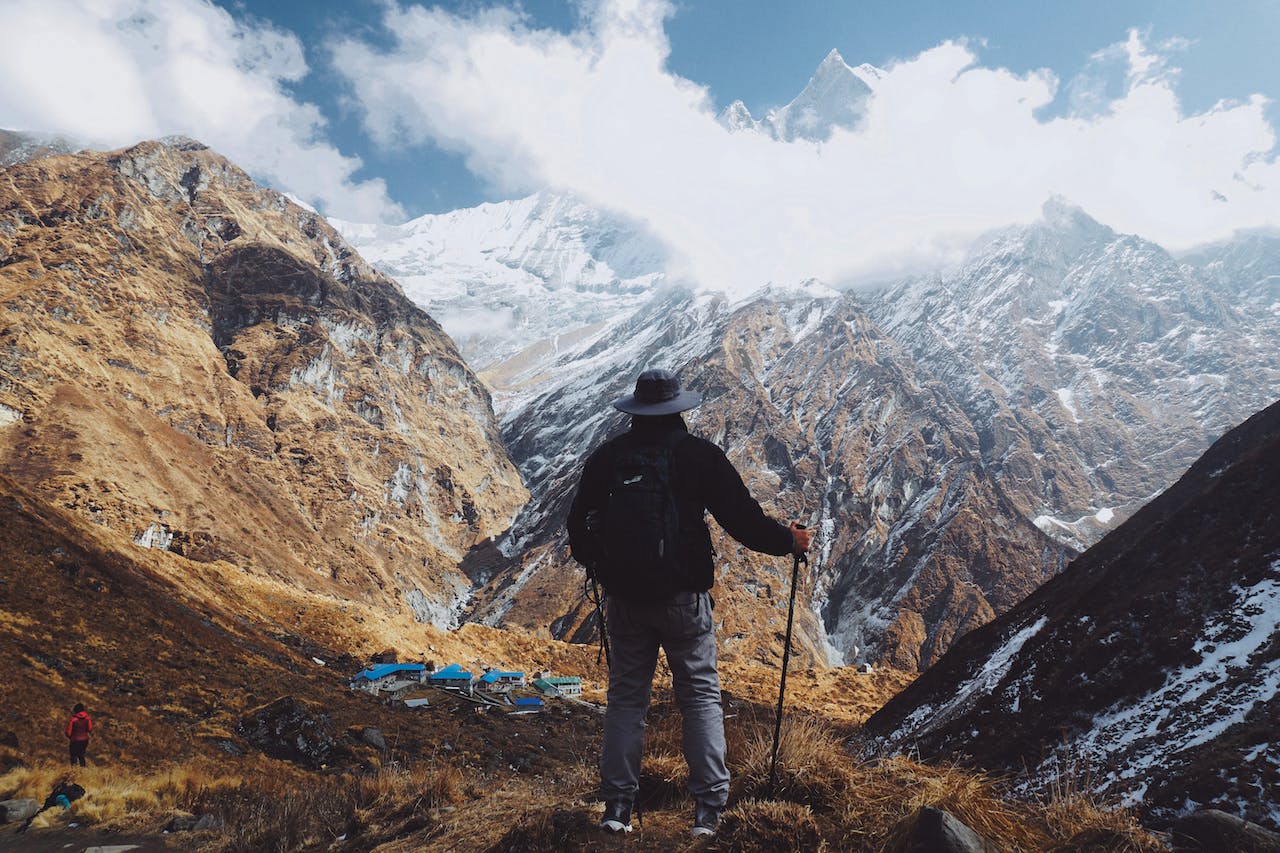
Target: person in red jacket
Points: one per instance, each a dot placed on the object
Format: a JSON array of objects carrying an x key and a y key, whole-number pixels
[{"x": 79, "y": 727}]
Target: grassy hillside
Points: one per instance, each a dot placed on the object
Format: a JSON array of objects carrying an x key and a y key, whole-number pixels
[{"x": 170, "y": 656}]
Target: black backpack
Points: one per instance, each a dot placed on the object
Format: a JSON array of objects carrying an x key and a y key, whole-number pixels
[{"x": 638, "y": 529}]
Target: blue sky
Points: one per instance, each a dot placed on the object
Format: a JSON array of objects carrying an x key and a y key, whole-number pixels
[
  {"x": 1156, "y": 118},
  {"x": 763, "y": 52}
]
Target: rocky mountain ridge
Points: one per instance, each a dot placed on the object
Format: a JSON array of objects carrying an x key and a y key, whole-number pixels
[
  {"x": 956, "y": 439},
  {"x": 774, "y": 444},
  {"x": 1150, "y": 666},
  {"x": 196, "y": 360},
  {"x": 1080, "y": 355}
]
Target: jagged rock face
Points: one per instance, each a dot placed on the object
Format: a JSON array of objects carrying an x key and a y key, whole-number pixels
[
  {"x": 1150, "y": 666},
  {"x": 293, "y": 730},
  {"x": 200, "y": 362},
  {"x": 1093, "y": 367},
  {"x": 890, "y": 468}
]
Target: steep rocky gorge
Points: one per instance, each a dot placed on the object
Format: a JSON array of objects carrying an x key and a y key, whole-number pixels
[
  {"x": 829, "y": 421},
  {"x": 202, "y": 363}
]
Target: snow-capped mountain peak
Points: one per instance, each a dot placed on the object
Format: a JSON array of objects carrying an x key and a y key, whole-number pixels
[
  {"x": 736, "y": 116},
  {"x": 835, "y": 96},
  {"x": 869, "y": 74},
  {"x": 832, "y": 63},
  {"x": 1063, "y": 214}
]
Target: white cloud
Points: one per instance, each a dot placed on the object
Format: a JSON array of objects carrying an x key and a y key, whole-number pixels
[
  {"x": 113, "y": 72},
  {"x": 948, "y": 149}
]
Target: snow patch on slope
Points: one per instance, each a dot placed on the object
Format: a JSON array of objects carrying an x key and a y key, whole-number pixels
[
  {"x": 1067, "y": 398},
  {"x": 983, "y": 682},
  {"x": 1195, "y": 704}
]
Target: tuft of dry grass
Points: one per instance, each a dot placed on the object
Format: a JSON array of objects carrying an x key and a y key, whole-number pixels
[
  {"x": 1078, "y": 823},
  {"x": 664, "y": 775},
  {"x": 886, "y": 796},
  {"x": 392, "y": 802},
  {"x": 549, "y": 830},
  {"x": 975, "y": 798},
  {"x": 768, "y": 825},
  {"x": 282, "y": 817},
  {"x": 813, "y": 767},
  {"x": 281, "y": 812},
  {"x": 664, "y": 781}
]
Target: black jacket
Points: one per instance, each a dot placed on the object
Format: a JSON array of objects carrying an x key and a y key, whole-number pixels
[{"x": 702, "y": 478}]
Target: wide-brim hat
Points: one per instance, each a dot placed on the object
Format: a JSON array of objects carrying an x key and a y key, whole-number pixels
[{"x": 657, "y": 393}]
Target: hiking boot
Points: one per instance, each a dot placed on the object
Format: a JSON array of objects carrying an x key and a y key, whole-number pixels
[
  {"x": 706, "y": 820},
  {"x": 616, "y": 818}
]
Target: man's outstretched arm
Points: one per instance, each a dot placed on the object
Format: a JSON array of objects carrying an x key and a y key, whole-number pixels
[{"x": 741, "y": 515}]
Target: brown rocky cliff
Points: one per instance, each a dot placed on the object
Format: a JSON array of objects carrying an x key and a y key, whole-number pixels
[{"x": 201, "y": 363}]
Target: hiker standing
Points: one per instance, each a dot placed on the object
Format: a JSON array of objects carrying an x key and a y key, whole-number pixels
[
  {"x": 79, "y": 727},
  {"x": 637, "y": 523}
]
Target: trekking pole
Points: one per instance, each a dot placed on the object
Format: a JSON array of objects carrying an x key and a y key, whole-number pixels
[
  {"x": 598, "y": 599},
  {"x": 786, "y": 658}
]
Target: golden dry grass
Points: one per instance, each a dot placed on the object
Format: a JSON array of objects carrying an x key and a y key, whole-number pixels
[
  {"x": 812, "y": 769},
  {"x": 886, "y": 796},
  {"x": 115, "y": 795},
  {"x": 823, "y": 800},
  {"x": 768, "y": 825},
  {"x": 821, "y": 791}
]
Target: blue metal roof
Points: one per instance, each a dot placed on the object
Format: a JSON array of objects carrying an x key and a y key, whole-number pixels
[
  {"x": 529, "y": 701},
  {"x": 453, "y": 670},
  {"x": 373, "y": 673},
  {"x": 493, "y": 675}
]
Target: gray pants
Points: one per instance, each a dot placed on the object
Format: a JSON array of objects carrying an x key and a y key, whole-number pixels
[{"x": 684, "y": 628}]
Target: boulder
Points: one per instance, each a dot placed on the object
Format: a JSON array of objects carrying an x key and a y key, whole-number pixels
[
  {"x": 1213, "y": 831},
  {"x": 230, "y": 747},
  {"x": 374, "y": 738},
  {"x": 293, "y": 730},
  {"x": 936, "y": 831},
  {"x": 11, "y": 810}
]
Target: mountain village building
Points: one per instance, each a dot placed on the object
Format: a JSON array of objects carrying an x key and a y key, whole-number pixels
[
  {"x": 561, "y": 685},
  {"x": 497, "y": 681},
  {"x": 453, "y": 676},
  {"x": 389, "y": 677}
]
